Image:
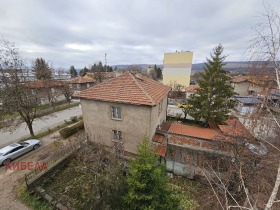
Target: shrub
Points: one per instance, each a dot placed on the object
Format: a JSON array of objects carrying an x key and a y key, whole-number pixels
[
  {"x": 74, "y": 119},
  {"x": 68, "y": 131}
]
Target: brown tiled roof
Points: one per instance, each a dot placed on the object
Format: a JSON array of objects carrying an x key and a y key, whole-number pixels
[
  {"x": 160, "y": 150},
  {"x": 227, "y": 133},
  {"x": 235, "y": 128},
  {"x": 160, "y": 144},
  {"x": 192, "y": 88},
  {"x": 192, "y": 131},
  {"x": 44, "y": 83},
  {"x": 159, "y": 138},
  {"x": 81, "y": 80},
  {"x": 106, "y": 75},
  {"x": 165, "y": 126},
  {"x": 128, "y": 88},
  {"x": 255, "y": 79},
  {"x": 239, "y": 79}
]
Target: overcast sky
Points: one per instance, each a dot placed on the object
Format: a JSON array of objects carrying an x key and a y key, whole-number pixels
[{"x": 80, "y": 32}]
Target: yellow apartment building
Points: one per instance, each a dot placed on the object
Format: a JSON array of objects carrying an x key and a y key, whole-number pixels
[{"x": 177, "y": 68}]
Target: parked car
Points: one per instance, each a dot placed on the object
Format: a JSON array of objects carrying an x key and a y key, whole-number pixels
[{"x": 12, "y": 151}]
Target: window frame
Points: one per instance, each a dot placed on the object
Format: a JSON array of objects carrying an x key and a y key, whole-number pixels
[
  {"x": 118, "y": 115},
  {"x": 117, "y": 135}
]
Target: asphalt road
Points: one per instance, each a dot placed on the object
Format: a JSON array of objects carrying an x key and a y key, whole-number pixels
[{"x": 39, "y": 125}]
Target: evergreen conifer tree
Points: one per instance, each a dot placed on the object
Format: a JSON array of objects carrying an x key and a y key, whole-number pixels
[
  {"x": 147, "y": 182},
  {"x": 212, "y": 100}
]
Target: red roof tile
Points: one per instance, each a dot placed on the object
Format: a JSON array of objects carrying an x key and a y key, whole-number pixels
[
  {"x": 227, "y": 133},
  {"x": 160, "y": 150},
  {"x": 192, "y": 131},
  {"x": 81, "y": 80},
  {"x": 235, "y": 128},
  {"x": 106, "y": 75},
  {"x": 44, "y": 83},
  {"x": 128, "y": 88},
  {"x": 192, "y": 88},
  {"x": 239, "y": 79},
  {"x": 165, "y": 126},
  {"x": 159, "y": 138}
]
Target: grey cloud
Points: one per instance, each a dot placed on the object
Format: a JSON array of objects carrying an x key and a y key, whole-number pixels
[{"x": 80, "y": 32}]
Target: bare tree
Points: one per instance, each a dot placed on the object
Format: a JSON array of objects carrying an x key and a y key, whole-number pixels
[
  {"x": 266, "y": 44},
  {"x": 14, "y": 95},
  {"x": 266, "y": 47}
]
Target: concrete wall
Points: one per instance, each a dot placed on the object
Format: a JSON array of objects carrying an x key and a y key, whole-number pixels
[
  {"x": 156, "y": 117},
  {"x": 136, "y": 122},
  {"x": 188, "y": 162},
  {"x": 241, "y": 88}
]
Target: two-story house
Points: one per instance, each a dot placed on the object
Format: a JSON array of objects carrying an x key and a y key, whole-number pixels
[
  {"x": 124, "y": 110},
  {"x": 47, "y": 91},
  {"x": 257, "y": 85}
]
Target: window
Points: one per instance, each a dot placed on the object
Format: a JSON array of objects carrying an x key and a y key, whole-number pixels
[
  {"x": 33, "y": 91},
  {"x": 88, "y": 85},
  {"x": 116, "y": 112},
  {"x": 117, "y": 135}
]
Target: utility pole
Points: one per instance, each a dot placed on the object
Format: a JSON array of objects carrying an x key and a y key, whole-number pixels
[{"x": 105, "y": 61}]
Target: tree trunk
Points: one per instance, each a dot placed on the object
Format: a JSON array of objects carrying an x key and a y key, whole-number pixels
[
  {"x": 30, "y": 127},
  {"x": 274, "y": 191}
]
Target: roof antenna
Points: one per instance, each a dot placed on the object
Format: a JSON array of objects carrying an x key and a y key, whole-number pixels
[{"x": 106, "y": 62}]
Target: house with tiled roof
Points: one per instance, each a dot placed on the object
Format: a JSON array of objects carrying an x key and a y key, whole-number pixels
[
  {"x": 187, "y": 149},
  {"x": 191, "y": 90},
  {"x": 47, "y": 91},
  {"x": 81, "y": 83},
  {"x": 120, "y": 112},
  {"x": 257, "y": 85}
]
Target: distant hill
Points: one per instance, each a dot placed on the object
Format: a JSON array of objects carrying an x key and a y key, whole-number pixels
[{"x": 237, "y": 66}]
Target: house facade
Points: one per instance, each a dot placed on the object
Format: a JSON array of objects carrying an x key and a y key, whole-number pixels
[
  {"x": 47, "y": 91},
  {"x": 252, "y": 85},
  {"x": 122, "y": 111},
  {"x": 79, "y": 84}
]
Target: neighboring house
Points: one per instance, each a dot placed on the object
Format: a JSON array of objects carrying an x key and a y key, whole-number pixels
[
  {"x": 102, "y": 76},
  {"x": 81, "y": 83},
  {"x": 89, "y": 79},
  {"x": 247, "y": 104},
  {"x": 191, "y": 90},
  {"x": 252, "y": 85},
  {"x": 119, "y": 113},
  {"x": 47, "y": 91},
  {"x": 187, "y": 149}
]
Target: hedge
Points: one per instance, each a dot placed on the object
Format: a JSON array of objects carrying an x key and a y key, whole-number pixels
[{"x": 68, "y": 131}]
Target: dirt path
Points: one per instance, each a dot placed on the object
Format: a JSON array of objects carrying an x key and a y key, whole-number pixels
[{"x": 9, "y": 179}]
